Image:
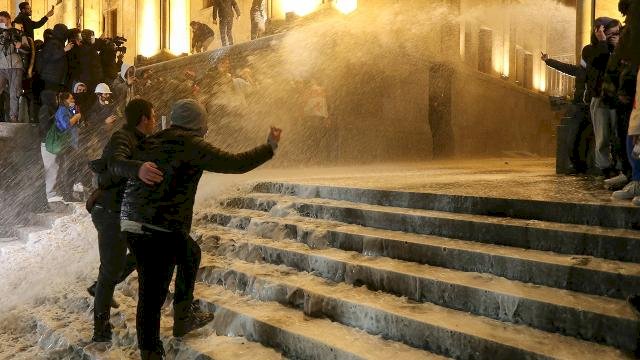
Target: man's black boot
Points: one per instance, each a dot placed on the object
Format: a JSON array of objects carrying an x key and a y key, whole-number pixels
[
  {"x": 101, "y": 328},
  {"x": 189, "y": 318},
  {"x": 156, "y": 354},
  {"x": 151, "y": 355},
  {"x": 92, "y": 291}
]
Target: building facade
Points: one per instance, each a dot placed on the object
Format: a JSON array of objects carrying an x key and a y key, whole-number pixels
[{"x": 493, "y": 36}]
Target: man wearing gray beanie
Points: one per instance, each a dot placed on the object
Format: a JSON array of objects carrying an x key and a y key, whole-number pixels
[{"x": 156, "y": 219}]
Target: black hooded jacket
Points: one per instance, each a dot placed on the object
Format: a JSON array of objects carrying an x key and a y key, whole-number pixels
[
  {"x": 182, "y": 156},
  {"x": 52, "y": 60},
  {"x": 85, "y": 65}
]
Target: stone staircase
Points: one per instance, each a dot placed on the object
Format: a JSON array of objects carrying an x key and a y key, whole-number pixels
[
  {"x": 321, "y": 272},
  {"x": 456, "y": 276}
]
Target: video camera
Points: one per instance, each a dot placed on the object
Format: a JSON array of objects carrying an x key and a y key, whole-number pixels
[
  {"x": 9, "y": 36},
  {"x": 118, "y": 41}
]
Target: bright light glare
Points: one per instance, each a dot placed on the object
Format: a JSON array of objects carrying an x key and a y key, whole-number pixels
[
  {"x": 300, "y": 7},
  {"x": 149, "y": 30},
  {"x": 346, "y": 6},
  {"x": 179, "y": 35}
]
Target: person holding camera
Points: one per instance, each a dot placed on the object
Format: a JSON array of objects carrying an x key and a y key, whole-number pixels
[
  {"x": 24, "y": 18},
  {"x": 84, "y": 61},
  {"x": 111, "y": 55},
  {"x": 12, "y": 43}
]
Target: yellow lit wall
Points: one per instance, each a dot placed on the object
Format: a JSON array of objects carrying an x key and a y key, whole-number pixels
[
  {"x": 301, "y": 7},
  {"x": 346, "y": 6},
  {"x": 148, "y": 27},
  {"x": 179, "y": 27},
  {"x": 608, "y": 8}
]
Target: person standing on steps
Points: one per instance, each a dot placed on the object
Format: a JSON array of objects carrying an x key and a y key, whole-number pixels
[
  {"x": 258, "y": 19},
  {"x": 113, "y": 169},
  {"x": 156, "y": 220},
  {"x": 223, "y": 10}
]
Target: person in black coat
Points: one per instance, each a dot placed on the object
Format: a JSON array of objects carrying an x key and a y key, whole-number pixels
[
  {"x": 580, "y": 125},
  {"x": 52, "y": 60},
  {"x": 113, "y": 169},
  {"x": 156, "y": 220},
  {"x": 24, "y": 18},
  {"x": 84, "y": 61}
]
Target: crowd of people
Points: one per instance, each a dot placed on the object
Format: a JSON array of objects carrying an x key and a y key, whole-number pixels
[{"x": 603, "y": 104}]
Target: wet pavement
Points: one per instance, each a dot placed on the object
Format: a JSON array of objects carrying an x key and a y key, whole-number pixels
[{"x": 519, "y": 178}]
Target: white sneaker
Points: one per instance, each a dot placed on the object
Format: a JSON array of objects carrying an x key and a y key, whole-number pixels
[
  {"x": 636, "y": 201},
  {"x": 616, "y": 182},
  {"x": 629, "y": 192},
  {"x": 55, "y": 199},
  {"x": 78, "y": 188}
]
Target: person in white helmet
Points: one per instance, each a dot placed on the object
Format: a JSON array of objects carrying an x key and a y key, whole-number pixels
[{"x": 102, "y": 120}]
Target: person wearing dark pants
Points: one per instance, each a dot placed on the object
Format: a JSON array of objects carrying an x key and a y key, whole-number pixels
[
  {"x": 157, "y": 252},
  {"x": 156, "y": 219},
  {"x": 580, "y": 124},
  {"x": 113, "y": 169},
  {"x": 115, "y": 264},
  {"x": 223, "y": 10}
]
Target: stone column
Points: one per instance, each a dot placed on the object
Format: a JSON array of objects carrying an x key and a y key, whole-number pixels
[
  {"x": 528, "y": 70},
  {"x": 585, "y": 13},
  {"x": 485, "y": 50}
]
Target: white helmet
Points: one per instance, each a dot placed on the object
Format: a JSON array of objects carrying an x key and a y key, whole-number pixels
[{"x": 103, "y": 88}]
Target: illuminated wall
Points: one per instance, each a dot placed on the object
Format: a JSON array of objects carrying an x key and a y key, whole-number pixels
[
  {"x": 179, "y": 26},
  {"x": 148, "y": 27}
]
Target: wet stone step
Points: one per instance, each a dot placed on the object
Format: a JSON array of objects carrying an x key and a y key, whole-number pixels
[
  {"x": 293, "y": 333},
  {"x": 25, "y": 233},
  {"x": 589, "y": 317},
  {"x": 617, "y": 215},
  {"x": 615, "y": 244},
  {"x": 577, "y": 273},
  {"x": 65, "y": 332},
  {"x": 444, "y": 331}
]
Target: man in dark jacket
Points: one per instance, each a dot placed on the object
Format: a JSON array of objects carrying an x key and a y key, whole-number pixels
[
  {"x": 223, "y": 9},
  {"x": 52, "y": 62},
  {"x": 578, "y": 111},
  {"x": 113, "y": 169},
  {"x": 84, "y": 61},
  {"x": 156, "y": 220},
  {"x": 24, "y": 18},
  {"x": 202, "y": 37}
]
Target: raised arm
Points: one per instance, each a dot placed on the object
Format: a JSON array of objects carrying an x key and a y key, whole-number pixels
[{"x": 210, "y": 158}]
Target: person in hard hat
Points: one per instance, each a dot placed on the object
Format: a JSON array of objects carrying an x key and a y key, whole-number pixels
[{"x": 101, "y": 120}]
